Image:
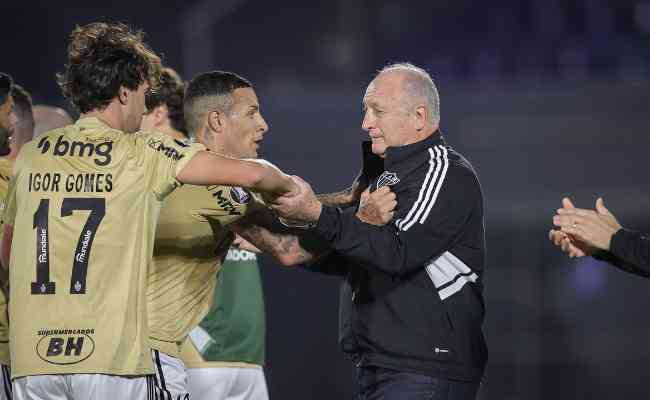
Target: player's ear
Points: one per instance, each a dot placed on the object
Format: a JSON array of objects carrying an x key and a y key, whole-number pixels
[
  {"x": 123, "y": 95},
  {"x": 215, "y": 121}
]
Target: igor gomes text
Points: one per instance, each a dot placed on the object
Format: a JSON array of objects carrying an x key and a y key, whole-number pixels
[{"x": 77, "y": 183}]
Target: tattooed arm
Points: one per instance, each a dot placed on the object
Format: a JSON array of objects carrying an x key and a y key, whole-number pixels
[
  {"x": 348, "y": 197},
  {"x": 289, "y": 246}
]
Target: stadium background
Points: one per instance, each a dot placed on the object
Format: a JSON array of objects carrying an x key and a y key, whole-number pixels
[{"x": 546, "y": 97}]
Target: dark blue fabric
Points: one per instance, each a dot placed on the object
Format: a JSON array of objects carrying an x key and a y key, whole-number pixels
[{"x": 376, "y": 383}]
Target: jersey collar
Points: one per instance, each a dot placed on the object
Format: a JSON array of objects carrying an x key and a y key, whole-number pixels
[
  {"x": 90, "y": 123},
  {"x": 397, "y": 155}
]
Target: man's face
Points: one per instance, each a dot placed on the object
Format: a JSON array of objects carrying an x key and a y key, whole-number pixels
[
  {"x": 386, "y": 118},
  {"x": 135, "y": 108},
  {"x": 7, "y": 123},
  {"x": 244, "y": 126}
]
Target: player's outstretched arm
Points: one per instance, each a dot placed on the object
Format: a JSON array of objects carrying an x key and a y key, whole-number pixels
[
  {"x": 293, "y": 246},
  {"x": 207, "y": 168}
]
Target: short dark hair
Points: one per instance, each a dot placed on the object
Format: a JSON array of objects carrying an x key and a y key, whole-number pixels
[
  {"x": 170, "y": 93},
  {"x": 6, "y": 83},
  {"x": 22, "y": 100},
  {"x": 102, "y": 57},
  {"x": 214, "y": 84}
]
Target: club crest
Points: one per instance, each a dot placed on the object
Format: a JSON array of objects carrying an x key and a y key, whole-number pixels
[{"x": 387, "y": 179}]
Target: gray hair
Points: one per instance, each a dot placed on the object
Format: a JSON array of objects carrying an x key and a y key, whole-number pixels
[{"x": 418, "y": 85}]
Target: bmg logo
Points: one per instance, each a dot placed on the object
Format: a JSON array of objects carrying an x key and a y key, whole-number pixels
[
  {"x": 62, "y": 147},
  {"x": 65, "y": 349}
]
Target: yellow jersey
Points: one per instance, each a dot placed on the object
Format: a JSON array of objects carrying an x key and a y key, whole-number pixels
[
  {"x": 6, "y": 166},
  {"x": 183, "y": 271},
  {"x": 84, "y": 203}
]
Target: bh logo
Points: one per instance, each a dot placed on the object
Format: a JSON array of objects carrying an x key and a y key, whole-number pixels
[{"x": 65, "y": 349}]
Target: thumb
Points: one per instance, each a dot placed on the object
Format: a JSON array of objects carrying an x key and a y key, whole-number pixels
[
  {"x": 566, "y": 203},
  {"x": 364, "y": 195},
  {"x": 600, "y": 207}
]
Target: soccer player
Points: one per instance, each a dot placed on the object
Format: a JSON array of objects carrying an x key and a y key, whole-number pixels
[
  {"x": 82, "y": 210},
  {"x": 222, "y": 113},
  {"x": 8, "y": 122}
]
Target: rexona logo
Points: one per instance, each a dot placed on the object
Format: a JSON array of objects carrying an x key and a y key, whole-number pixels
[
  {"x": 168, "y": 151},
  {"x": 101, "y": 152},
  {"x": 65, "y": 349}
]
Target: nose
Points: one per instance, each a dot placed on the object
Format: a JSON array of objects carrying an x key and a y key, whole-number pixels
[
  {"x": 262, "y": 125},
  {"x": 368, "y": 122}
]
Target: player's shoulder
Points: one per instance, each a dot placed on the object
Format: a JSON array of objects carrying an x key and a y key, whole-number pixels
[
  {"x": 215, "y": 198},
  {"x": 162, "y": 144}
]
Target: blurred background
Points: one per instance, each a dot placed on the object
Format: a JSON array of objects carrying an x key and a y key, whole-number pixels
[{"x": 547, "y": 98}]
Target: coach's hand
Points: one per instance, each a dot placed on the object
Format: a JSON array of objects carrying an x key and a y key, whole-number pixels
[
  {"x": 301, "y": 207},
  {"x": 378, "y": 207}
]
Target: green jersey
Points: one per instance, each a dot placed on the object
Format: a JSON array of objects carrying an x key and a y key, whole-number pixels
[{"x": 233, "y": 332}]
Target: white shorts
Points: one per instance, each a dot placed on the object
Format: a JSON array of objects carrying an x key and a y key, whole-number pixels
[
  {"x": 84, "y": 387},
  {"x": 6, "y": 390},
  {"x": 227, "y": 383},
  {"x": 170, "y": 378}
]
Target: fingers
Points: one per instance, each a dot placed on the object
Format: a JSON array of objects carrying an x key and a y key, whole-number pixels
[
  {"x": 556, "y": 237},
  {"x": 567, "y": 203},
  {"x": 565, "y": 243},
  {"x": 568, "y": 220},
  {"x": 600, "y": 207},
  {"x": 576, "y": 212},
  {"x": 388, "y": 217}
]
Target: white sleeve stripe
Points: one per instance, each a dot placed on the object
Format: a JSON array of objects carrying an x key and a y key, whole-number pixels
[
  {"x": 445, "y": 163},
  {"x": 400, "y": 223},
  {"x": 449, "y": 274},
  {"x": 435, "y": 183}
]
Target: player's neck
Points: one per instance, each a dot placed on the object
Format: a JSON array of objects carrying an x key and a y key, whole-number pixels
[
  {"x": 111, "y": 116},
  {"x": 223, "y": 150}
]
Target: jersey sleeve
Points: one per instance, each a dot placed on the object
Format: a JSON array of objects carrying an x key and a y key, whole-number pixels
[
  {"x": 166, "y": 157},
  {"x": 226, "y": 204}
]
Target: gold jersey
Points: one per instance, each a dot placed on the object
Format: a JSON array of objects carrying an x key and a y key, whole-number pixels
[
  {"x": 84, "y": 202},
  {"x": 6, "y": 166},
  {"x": 183, "y": 271}
]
